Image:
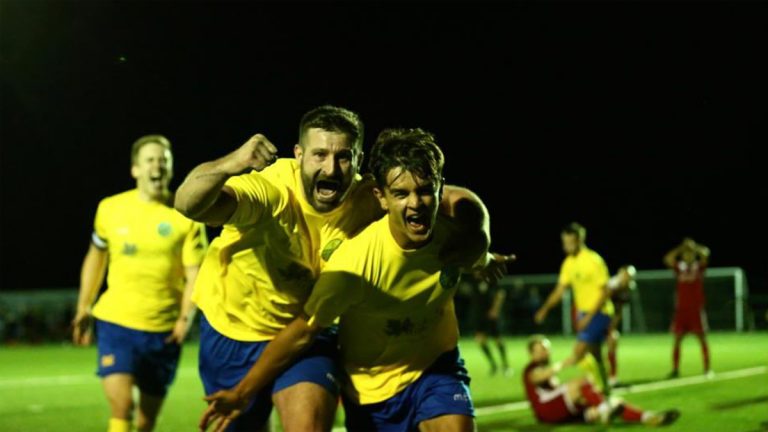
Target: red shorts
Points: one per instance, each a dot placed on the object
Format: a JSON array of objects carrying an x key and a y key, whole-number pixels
[
  {"x": 553, "y": 406},
  {"x": 689, "y": 320}
]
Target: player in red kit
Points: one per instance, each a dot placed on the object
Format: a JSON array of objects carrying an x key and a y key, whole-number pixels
[
  {"x": 689, "y": 262},
  {"x": 576, "y": 400}
]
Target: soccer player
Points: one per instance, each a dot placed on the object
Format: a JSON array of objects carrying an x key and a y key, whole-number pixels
[
  {"x": 689, "y": 262},
  {"x": 487, "y": 299},
  {"x": 281, "y": 223},
  {"x": 393, "y": 293},
  {"x": 620, "y": 287},
  {"x": 586, "y": 273},
  {"x": 152, "y": 254},
  {"x": 576, "y": 400}
]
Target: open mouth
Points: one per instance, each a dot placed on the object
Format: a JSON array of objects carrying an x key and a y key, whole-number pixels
[
  {"x": 417, "y": 222},
  {"x": 156, "y": 180},
  {"x": 326, "y": 190}
]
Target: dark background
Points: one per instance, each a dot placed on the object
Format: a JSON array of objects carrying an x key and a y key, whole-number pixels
[{"x": 644, "y": 121}]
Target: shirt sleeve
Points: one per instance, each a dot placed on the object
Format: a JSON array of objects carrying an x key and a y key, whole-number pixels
[
  {"x": 195, "y": 244},
  {"x": 339, "y": 287},
  {"x": 255, "y": 197},
  {"x": 602, "y": 275},
  {"x": 99, "y": 236}
]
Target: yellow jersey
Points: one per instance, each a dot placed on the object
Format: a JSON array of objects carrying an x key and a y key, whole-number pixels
[
  {"x": 396, "y": 309},
  {"x": 259, "y": 272},
  {"x": 587, "y": 275},
  {"x": 149, "y": 244}
]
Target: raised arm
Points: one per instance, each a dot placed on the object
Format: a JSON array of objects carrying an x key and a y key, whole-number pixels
[
  {"x": 703, "y": 253},
  {"x": 670, "y": 258},
  {"x": 204, "y": 197}
]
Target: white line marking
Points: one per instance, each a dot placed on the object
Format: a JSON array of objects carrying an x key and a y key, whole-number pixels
[{"x": 69, "y": 379}]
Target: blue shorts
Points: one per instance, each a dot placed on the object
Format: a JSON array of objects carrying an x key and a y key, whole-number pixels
[
  {"x": 223, "y": 362},
  {"x": 441, "y": 390},
  {"x": 145, "y": 355},
  {"x": 596, "y": 330}
]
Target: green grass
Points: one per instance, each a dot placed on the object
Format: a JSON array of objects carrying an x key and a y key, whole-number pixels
[{"x": 53, "y": 388}]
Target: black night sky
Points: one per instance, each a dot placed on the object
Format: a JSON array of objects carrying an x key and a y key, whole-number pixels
[{"x": 641, "y": 120}]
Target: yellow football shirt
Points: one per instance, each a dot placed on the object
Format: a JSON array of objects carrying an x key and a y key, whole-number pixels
[
  {"x": 396, "y": 309},
  {"x": 149, "y": 244},
  {"x": 587, "y": 275},
  {"x": 259, "y": 272}
]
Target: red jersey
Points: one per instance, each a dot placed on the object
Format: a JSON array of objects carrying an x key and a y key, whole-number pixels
[
  {"x": 548, "y": 400},
  {"x": 690, "y": 284}
]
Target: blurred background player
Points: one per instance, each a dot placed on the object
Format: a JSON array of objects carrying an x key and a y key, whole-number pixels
[
  {"x": 689, "y": 262},
  {"x": 575, "y": 400},
  {"x": 487, "y": 300},
  {"x": 620, "y": 287},
  {"x": 586, "y": 273},
  {"x": 152, "y": 253}
]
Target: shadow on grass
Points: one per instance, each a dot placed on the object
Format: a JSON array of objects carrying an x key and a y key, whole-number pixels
[{"x": 739, "y": 403}]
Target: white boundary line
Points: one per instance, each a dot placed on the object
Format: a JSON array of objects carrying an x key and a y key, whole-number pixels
[
  {"x": 56, "y": 380},
  {"x": 483, "y": 411}
]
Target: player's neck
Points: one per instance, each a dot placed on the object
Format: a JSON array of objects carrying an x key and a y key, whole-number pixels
[{"x": 163, "y": 198}]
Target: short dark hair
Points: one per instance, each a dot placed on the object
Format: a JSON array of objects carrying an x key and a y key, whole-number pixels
[
  {"x": 334, "y": 119},
  {"x": 147, "y": 139},
  {"x": 575, "y": 228},
  {"x": 414, "y": 150}
]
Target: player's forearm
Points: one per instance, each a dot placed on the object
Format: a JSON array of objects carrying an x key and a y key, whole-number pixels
[
  {"x": 553, "y": 299},
  {"x": 92, "y": 275},
  {"x": 277, "y": 356},
  {"x": 188, "y": 308},
  {"x": 201, "y": 189},
  {"x": 498, "y": 301},
  {"x": 671, "y": 256}
]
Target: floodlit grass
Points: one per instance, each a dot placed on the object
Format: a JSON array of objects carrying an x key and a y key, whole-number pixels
[{"x": 54, "y": 388}]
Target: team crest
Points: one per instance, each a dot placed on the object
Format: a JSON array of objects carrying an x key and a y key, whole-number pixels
[
  {"x": 129, "y": 249},
  {"x": 449, "y": 276},
  {"x": 330, "y": 248},
  {"x": 164, "y": 229},
  {"x": 107, "y": 360}
]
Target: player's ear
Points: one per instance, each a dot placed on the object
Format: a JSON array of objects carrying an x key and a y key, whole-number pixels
[
  {"x": 380, "y": 196},
  {"x": 135, "y": 171},
  {"x": 298, "y": 151}
]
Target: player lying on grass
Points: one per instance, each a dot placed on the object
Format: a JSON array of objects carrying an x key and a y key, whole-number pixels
[{"x": 576, "y": 400}]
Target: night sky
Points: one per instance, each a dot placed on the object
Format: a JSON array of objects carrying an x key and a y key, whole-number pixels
[{"x": 641, "y": 120}]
